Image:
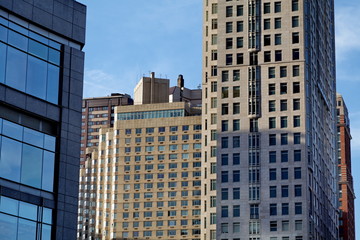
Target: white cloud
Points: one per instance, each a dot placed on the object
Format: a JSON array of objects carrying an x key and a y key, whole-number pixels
[{"x": 347, "y": 20}]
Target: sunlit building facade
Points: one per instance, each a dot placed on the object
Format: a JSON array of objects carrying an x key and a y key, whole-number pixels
[{"x": 269, "y": 133}]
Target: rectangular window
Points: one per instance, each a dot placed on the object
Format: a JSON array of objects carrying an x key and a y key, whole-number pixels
[
  {"x": 239, "y": 42},
  {"x": 239, "y": 26}
]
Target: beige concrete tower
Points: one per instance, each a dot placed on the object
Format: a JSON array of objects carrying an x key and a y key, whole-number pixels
[{"x": 269, "y": 120}]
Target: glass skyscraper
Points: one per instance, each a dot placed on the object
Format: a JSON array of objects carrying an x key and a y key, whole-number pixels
[{"x": 41, "y": 80}]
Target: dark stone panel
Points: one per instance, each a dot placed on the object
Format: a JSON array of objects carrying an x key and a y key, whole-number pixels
[
  {"x": 59, "y": 230},
  {"x": 71, "y": 220},
  {"x": 73, "y": 148},
  {"x": 24, "y": 9},
  {"x": 63, "y": 11},
  {"x": 53, "y": 112},
  {"x": 15, "y": 98},
  {"x": 62, "y": 26},
  {"x": 65, "y": 116},
  {"x": 76, "y": 74},
  {"x": 76, "y": 86},
  {"x": 63, "y": 146},
  {"x": 66, "y": 61},
  {"x": 64, "y": 126},
  {"x": 65, "y": 99},
  {"x": 35, "y": 106},
  {"x": 75, "y": 130},
  {"x": 29, "y": 1},
  {"x": 72, "y": 172},
  {"x": 69, "y": 3},
  {"x": 73, "y": 161},
  {"x": 80, "y": 7},
  {"x": 6, "y": 4},
  {"x": 42, "y": 17},
  {"x": 70, "y": 233},
  {"x": 71, "y": 201},
  {"x": 46, "y": 5},
  {"x": 79, "y": 19},
  {"x": 75, "y": 103},
  {"x": 10, "y": 192},
  {"x": 78, "y": 33},
  {"x": 62, "y": 167},
  {"x": 2, "y": 93},
  {"x": 77, "y": 64},
  {"x": 66, "y": 83},
  {"x": 62, "y": 186},
  {"x": 60, "y": 218},
  {"x": 48, "y": 203}
]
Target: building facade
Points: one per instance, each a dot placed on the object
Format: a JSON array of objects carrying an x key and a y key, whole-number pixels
[
  {"x": 346, "y": 188},
  {"x": 96, "y": 113},
  {"x": 41, "y": 81},
  {"x": 269, "y": 120}
]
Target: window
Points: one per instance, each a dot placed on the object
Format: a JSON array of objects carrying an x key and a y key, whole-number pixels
[
  {"x": 297, "y": 191},
  {"x": 236, "y": 176},
  {"x": 236, "y": 75},
  {"x": 295, "y": 54},
  {"x": 272, "y": 157},
  {"x": 236, "y": 211},
  {"x": 224, "y": 176},
  {"x": 296, "y": 71},
  {"x": 224, "y": 92},
  {"x": 271, "y": 72},
  {"x": 277, "y": 39},
  {"x": 213, "y": 39},
  {"x": 267, "y": 40},
  {"x": 283, "y": 71},
  {"x": 225, "y": 109},
  {"x": 224, "y": 211},
  {"x": 283, "y": 122},
  {"x": 283, "y": 105},
  {"x": 296, "y": 138},
  {"x": 284, "y": 191},
  {"x": 229, "y": 59},
  {"x": 239, "y": 26},
  {"x": 224, "y": 194},
  {"x": 236, "y": 108},
  {"x": 278, "y": 55},
  {"x": 277, "y": 23},
  {"x": 297, "y": 155},
  {"x": 271, "y": 89},
  {"x": 284, "y": 209},
  {"x": 229, "y": 43},
  {"x": 236, "y": 92},
  {"x": 236, "y": 141},
  {"x": 272, "y": 174},
  {"x": 285, "y": 226},
  {"x": 236, "y": 158},
  {"x": 284, "y": 138},
  {"x": 149, "y": 130},
  {"x": 296, "y": 121},
  {"x": 267, "y": 8},
  {"x": 224, "y": 142},
  {"x": 239, "y": 10},
  {"x": 272, "y": 122},
  {"x": 224, "y": 159},
  {"x": 239, "y": 42},
  {"x": 284, "y": 156},
  {"x": 296, "y": 87},
  {"x": 273, "y": 209},
  {"x": 213, "y": 102},
  {"x": 213, "y": 55},
  {"x": 298, "y": 208},
  {"x": 266, "y": 24},
  {"x": 298, "y": 225},
  {"x": 297, "y": 173},
  {"x": 272, "y": 139},
  {"x": 239, "y": 58},
  {"x": 273, "y": 226},
  {"x": 267, "y": 56},
  {"x": 229, "y": 27},
  {"x": 295, "y": 21},
  {"x": 272, "y": 191},
  {"x": 296, "y": 104},
  {"x": 283, "y": 88},
  {"x": 277, "y": 7},
  {"x": 272, "y": 107},
  {"x": 295, "y": 37},
  {"x": 236, "y": 193},
  {"x": 284, "y": 173},
  {"x": 229, "y": 11},
  {"x": 224, "y": 228}
]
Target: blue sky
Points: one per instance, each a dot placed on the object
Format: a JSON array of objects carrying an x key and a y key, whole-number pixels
[{"x": 128, "y": 39}]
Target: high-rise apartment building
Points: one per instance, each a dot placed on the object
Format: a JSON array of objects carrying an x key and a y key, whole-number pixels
[
  {"x": 96, "y": 113},
  {"x": 143, "y": 180},
  {"x": 346, "y": 188},
  {"x": 41, "y": 80},
  {"x": 269, "y": 120}
]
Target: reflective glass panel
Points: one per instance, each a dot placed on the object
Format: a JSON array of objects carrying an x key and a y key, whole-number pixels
[
  {"x": 48, "y": 171},
  {"x": 27, "y": 210},
  {"x": 8, "y": 227},
  {"x": 54, "y": 56},
  {"x": 49, "y": 143},
  {"x": 36, "y": 77},
  {"x": 31, "y": 166},
  {"x": 46, "y": 232},
  {"x": 16, "y": 69},
  {"x": 26, "y": 230},
  {"x": 9, "y": 205},
  {"x": 47, "y": 215},
  {"x": 17, "y": 40},
  {"x": 2, "y": 60},
  {"x": 38, "y": 49},
  {"x": 12, "y": 130},
  {"x": 52, "y": 84},
  {"x": 10, "y": 159},
  {"x": 33, "y": 137}
]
